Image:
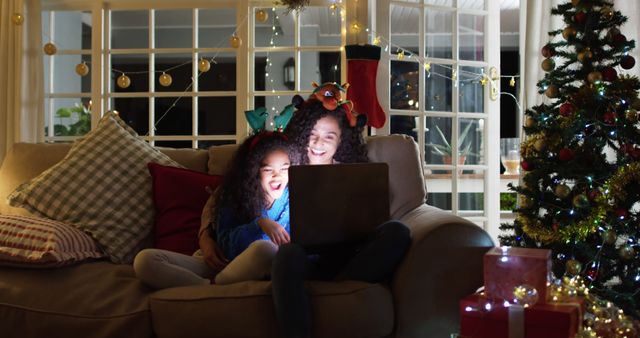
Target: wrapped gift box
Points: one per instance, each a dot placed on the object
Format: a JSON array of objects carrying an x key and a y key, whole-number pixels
[
  {"x": 508, "y": 267},
  {"x": 540, "y": 320}
]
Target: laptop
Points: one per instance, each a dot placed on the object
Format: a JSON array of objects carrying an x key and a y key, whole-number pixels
[{"x": 337, "y": 203}]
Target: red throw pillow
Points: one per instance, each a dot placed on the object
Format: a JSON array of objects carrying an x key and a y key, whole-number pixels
[{"x": 179, "y": 196}]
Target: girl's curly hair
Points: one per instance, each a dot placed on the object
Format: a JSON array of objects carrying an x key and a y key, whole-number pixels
[
  {"x": 241, "y": 189},
  {"x": 351, "y": 148}
]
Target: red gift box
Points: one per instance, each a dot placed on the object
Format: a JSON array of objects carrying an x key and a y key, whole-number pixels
[
  {"x": 540, "y": 320},
  {"x": 508, "y": 267}
]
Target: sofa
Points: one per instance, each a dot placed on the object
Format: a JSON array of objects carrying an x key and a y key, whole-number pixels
[{"x": 103, "y": 299}]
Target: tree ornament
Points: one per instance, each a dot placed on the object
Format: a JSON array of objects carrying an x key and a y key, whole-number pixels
[
  {"x": 262, "y": 16},
  {"x": 548, "y": 51},
  {"x": 567, "y": 109},
  {"x": 524, "y": 202},
  {"x": 552, "y": 91},
  {"x": 17, "y": 19},
  {"x": 609, "y": 74},
  {"x": 580, "y": 17},
  {"x": 526, "y": 166},
  {"x": 573, "y": 267},
  {"x": 585, "y": 55},
  {"x": 569, "y": 32},
  {"x": 609, "y": 117},
  {"x": 627, "y": 62},
  {"x": 165, "y": 79},
  {"x": 548, "y": 65},
  {"x": 512, "y": 82},
  {"x": 618, "y": 39},
  {"x": 123, "y": 81},
  {"x": 631, "y": 115},
  {"x": 592, "y": 272},
  {"x": 235, "y": 41},
  {"x": 594, "y": 77},
  {"x": 50, "y": 49},
  {"x": 540, "y": 144},
  {"x": 575, "y": 3},
  {"x": 580, "y": 201},
  {"x": 606, "y": 13},
  {"x": 622, "y": 213},
  {"x": 566, "y": 154},
  {"x": 562, "y": 191},
  {"x": 612, "y": 32},
  {"x": 609, "y": 236},
  {"x": 627, "y": 252},
  {"x": 525, "y": 295},
  {"x": 82, "y": 69},
  {"x": 204, "y": 65},
  {"x": 529, "y": 122}
]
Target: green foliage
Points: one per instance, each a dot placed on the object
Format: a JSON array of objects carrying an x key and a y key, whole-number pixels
[
  {"x": 508, "y": 201},
  {"x": 445, "y": 149},
  {"x": 81, "y": 126}
]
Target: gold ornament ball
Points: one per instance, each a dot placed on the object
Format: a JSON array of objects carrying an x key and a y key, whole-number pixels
[
  {"x": 594, "y": 77},
  {"x": 548, "y": 65},
  {"x": 204, "y": 65},
  {"x": 607, "y": 13},
  {"x": 627, "y": 252},
  {"x": 262, "y": 15},
  {"x": 569, "y": 32},
  {"x": 585, "y": 55},
  {"x": 525, "y": 295},
  {"x": 631, "y": 115},
  {"x": 562, "y": 191},
  {"x": 573, "y": 267},
  {"x": 49, "y": 48},
  {"x": 540, "y": 144},
  {"x": 165, "y": 80},
  {"x": 82, "y": 69},
  {"x": 17, "y": 19},
  {"x": 235, "y": 41},
  {"x": 552, "y": 91},
  {"x": 609, "y": 236},
  {"x": 575, "y": 2},
  {"x": 529, "y": 122},
  {"x": 123, "y": 81},
  {"x": 580, "y": 201},
  {"x": 636, "y": 104}
]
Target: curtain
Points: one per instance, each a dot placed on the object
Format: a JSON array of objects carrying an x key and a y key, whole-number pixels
[{"x": 21, "y": 84}]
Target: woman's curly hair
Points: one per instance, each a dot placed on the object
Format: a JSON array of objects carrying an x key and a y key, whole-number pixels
[
  {"x": 241, "y": 189},
  {"x": 351, "y": 148}
]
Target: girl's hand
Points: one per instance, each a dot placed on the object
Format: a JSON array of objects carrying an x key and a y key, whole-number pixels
[
  {"x": 211, "y": 253},
  {"x": 275, "y": 231}
]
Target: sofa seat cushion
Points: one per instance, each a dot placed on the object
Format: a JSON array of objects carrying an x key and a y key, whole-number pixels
[
  {"x": 341, "y": 309},
  {"x": 99, "y": 299}
]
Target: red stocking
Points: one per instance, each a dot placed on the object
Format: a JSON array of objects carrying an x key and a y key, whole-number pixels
[{"x": 362, "y": 66}]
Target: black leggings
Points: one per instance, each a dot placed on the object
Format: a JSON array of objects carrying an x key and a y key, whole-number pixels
[{"x": 373, "y": 261}]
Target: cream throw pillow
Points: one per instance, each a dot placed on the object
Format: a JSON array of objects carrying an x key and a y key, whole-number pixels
[{"x": 102, "y": 187}]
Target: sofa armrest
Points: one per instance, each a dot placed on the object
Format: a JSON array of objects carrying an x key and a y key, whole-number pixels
[{"x": 443, "y": 264}]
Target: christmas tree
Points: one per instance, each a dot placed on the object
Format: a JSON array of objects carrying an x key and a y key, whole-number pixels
[{"x": 580, "y": 189}]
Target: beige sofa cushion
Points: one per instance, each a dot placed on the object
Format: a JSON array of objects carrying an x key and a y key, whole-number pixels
[
  {"x": 99, "y": 300},
  {"x": 220, "y": 157},
  {"x": 340, "y": 309}
]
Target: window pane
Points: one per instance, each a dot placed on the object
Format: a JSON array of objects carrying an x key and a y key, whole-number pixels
[
  {"x": 404, "y": 85},
  {"x": 320, "y": 26},
  {"x": 406, "y": 125},
  {"x": 439, "y": 36},
  {"x": 471, "y": 193},
  {"x": 216, "y": 116},
  {"x": 470, "y": 141},
  {"x": 178, "y": 67},
  {"x": 448, "y": 3},
  {"x": 438, "y": 140},
  {"x": 130, "y": 29},
  {"x": 135, "y": 67},
  {"x": 215, "y": 27},
  {"x": 404, "y": 28},
  {"x": 221, "y": 74},
  {"x": 71, "y": 116},
  {"x": 173, "y": 115},
  {"x": 471, "y": 37},
  {"x": 278, "y": 30},
  {"x": 173, "y": 144},
  {"x": 65, "y": 78},
  {"x": 320, "y": 67},
  {"x": 471, "y": 4},
  {"x": 270, "y": 71},
  {"x": 275, "y": 105},
  {"x": 173, "y": 28},
  {"x": 440, "y": 200},
  {"x": 471, "y": 90},
  {"x": 71, "y": 29},
  {"x": 134, "y": 111},
  {"x": 438, "y": 88}
]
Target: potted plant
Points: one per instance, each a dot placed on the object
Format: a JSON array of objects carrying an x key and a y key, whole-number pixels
[{"x": 446, "y": 151}]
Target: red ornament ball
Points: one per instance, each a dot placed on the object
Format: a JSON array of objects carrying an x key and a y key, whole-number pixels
[
  {"x": 566, "y": 154},
  {"x": 593, "y": 194},
  {"x": 567, "y": 109},
  {"x": 609, "y": 117},
  {"x": 622, "y": 213},
  {"x": 526, "y": 166},
  {"x": 627, "y": 62},
  {"x": 619, "y": 39},
  {"x": 609, "y": 74},
  {"x": 548, "y": 51},
  {"x": 580, "y": 17},
  {"x": 592, "y": 273}
]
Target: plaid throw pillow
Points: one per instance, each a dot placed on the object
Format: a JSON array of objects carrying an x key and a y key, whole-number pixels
[
  {"x": 43, "y": 243},
  {"x": 102, "y": 187}
]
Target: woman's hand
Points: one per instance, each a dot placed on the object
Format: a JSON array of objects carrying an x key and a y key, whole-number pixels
[
  {"x": 275, "y": 231},
  {"x": 211, "y": 253}
]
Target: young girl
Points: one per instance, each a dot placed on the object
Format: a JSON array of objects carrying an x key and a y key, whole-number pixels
[
  {"x": 252, "y": 218},
  {"x": 324, "y": 136}
]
